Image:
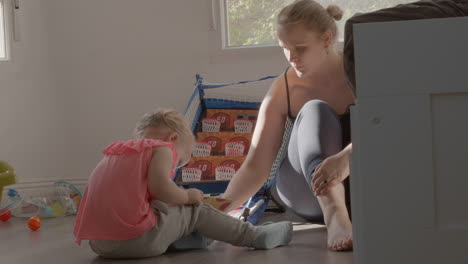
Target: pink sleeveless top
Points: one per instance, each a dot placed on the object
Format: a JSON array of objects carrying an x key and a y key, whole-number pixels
[{"x": 116, "y": 204}]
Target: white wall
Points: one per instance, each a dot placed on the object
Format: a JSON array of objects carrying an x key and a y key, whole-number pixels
[
  {"x": 86, "y": 70},
  {"x": 32, "y": 135}
]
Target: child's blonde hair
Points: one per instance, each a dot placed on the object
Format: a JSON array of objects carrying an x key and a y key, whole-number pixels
[
  {"x": 311, "y": 14},
  {"x": 164, "y": 118}
]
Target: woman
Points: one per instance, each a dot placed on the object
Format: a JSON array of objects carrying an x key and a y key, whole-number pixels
[{"x": 315, "y": 94}]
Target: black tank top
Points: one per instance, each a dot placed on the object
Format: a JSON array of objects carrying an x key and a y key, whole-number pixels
[
  {"x": 345, "y": 119},
  {"x": 287, "y": 94}
]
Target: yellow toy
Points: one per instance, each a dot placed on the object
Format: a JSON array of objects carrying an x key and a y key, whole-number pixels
[{"x": 218, "y": 203}]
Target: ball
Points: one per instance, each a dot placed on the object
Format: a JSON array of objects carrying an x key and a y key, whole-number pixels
[
  {"x": 5, "y": 216},
  {"x": 34, "y": 223}
]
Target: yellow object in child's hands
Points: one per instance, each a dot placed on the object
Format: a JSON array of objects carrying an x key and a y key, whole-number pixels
[{"x": 218, "y": 203}]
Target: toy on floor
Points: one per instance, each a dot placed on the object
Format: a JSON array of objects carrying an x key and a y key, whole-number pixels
[
  {"x": 5, "y": 216},
  {"x": 14, "y": 199},
  {"x": 34, "y": 223},
  {"x": 7, "y": 176},
  {"x": 59, "y": 199}
]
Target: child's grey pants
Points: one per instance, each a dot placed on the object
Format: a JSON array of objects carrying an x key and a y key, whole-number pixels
[{"x": 175, "y": 222}]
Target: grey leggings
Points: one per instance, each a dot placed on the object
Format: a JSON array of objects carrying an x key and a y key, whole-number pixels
[{"x": 316, "y": 135}]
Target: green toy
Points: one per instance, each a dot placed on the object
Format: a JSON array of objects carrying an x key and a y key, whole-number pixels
[{"x": 7, "y": 176}]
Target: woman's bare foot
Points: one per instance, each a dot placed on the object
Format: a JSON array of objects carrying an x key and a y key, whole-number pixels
[{"x": 340, "y": 234}]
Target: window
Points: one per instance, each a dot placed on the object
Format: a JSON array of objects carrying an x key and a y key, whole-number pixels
[
  {"x": 3, "y": 53},
  {"x": 252, "y": 22}
]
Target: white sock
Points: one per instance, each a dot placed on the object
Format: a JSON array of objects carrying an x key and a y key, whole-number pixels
[{"x": 273, "y": 235}]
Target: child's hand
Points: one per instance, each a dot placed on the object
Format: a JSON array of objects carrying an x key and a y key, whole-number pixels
[{"x": 195, "y": 196}]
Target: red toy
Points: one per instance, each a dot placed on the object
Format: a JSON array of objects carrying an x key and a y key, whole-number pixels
[
  {"x": 34, "y": 223},
  {"x": 5, "y": 216}
]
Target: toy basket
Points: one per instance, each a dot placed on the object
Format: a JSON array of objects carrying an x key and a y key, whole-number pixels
[
  {"x": 201, "y": 149},
  {"x": 237, "y": 95},
  {"x": 59, "y": 199},
  {"x": 243, "y": 126},
  {"x": 211, "y": 125},
  {"x": 224, "y": 173},
  {"x": 234, "y": 148},
  {"x": 191, "y": 174}
]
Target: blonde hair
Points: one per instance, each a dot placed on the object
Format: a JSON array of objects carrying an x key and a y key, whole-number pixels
[
  {"x": 164, "y": 118},
  {"x": 311, "y": 14}
]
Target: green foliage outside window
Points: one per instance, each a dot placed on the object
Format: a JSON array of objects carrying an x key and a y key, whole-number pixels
[{"x": 252, "y": 22}]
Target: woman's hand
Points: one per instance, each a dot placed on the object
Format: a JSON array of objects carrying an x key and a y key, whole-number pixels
[
  {"x": 195, "y": 196},
  {"x": 332, "y": 171}
]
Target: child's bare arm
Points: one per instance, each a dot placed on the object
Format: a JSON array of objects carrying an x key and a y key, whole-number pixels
[{"x": 161, "y": 187}]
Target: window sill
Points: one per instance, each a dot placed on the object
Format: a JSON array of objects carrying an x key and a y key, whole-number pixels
[{"x": 249, "y": 53}]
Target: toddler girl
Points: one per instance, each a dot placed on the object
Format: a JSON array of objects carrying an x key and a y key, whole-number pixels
[{"x": 131, "y": 208}]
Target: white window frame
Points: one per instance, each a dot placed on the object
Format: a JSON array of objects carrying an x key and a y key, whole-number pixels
[
  {"x": 12, "y": 64},
  {"x": 220, "y": 53},
  {"x": 225, "y": 31},
  {"x": 6, "y": 29}
]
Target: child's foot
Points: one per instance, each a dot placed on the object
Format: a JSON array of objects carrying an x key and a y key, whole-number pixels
[
  {"x": 273, "y": 235},
  {"x": 340, "y": 237}
]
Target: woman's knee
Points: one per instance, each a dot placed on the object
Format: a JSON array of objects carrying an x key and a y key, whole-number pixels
[
  {"x": 315, "y": 107},
  {"x": 315, "y": 103}
]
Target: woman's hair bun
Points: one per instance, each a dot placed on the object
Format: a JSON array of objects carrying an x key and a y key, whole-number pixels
[{"x": 335, "y": 12}]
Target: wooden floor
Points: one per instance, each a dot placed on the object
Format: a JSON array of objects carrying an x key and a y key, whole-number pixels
[{"x": 53, "y": 243}]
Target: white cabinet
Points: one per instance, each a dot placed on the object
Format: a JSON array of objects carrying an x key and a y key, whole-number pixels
[{"x": 409, "y": 167}]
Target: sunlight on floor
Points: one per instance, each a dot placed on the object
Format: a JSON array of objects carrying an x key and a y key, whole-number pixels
[{"x": 305, "y": 226}]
